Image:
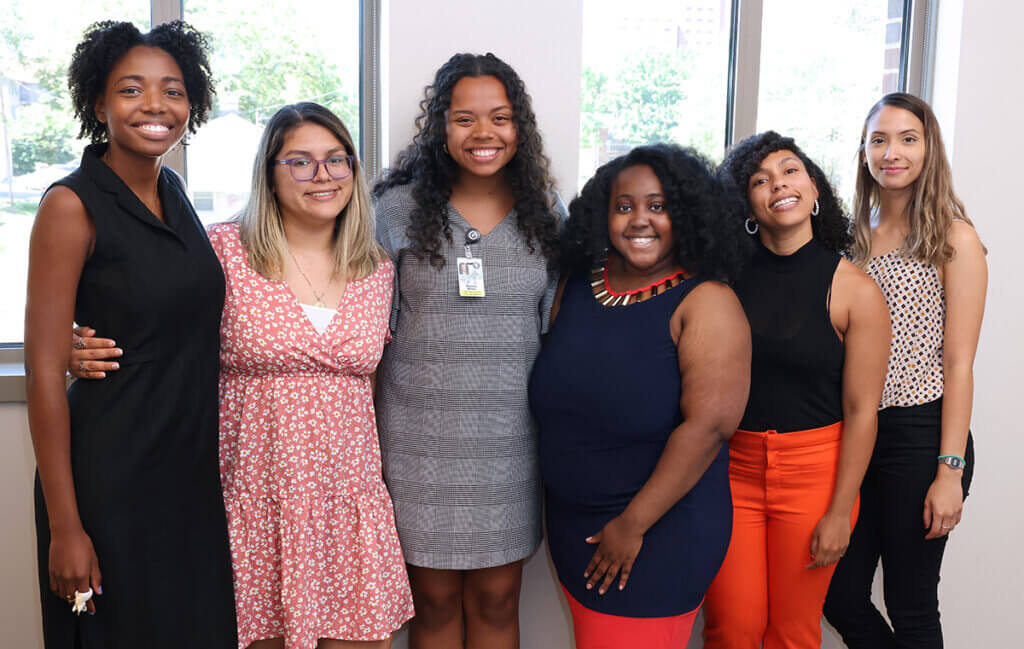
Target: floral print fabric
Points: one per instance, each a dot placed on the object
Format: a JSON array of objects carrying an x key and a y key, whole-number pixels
[{"x": 313, "y": 542}]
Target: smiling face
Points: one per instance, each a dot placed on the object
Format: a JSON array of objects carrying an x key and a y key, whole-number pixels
[
  {"x": 782, "y": 193},
  {"x": 144, "y": 106},
  {"x": 482, "y": 135},
  {"x": 894, "y": 148},
  {"x": 639, "y": 226},
  {"x": 321, "y": 199}
]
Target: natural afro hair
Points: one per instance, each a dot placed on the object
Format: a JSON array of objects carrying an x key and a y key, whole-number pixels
[
  {"x": 107, "y": 41},
  {"x": 426, "y": 164},
  {"x": 705, "y": 214},
  {"x": 831, "y": 225}
]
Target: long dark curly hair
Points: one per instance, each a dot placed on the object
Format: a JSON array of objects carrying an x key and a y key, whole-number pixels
[
  {"x": 705, "y": 214},
  {"x": 433, "y": 172},
  {"x": 831, "y": 225},
  {"x": 106, "y": 42}
]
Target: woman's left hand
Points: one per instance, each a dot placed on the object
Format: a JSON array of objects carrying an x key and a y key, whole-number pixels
[
  {"x": 619, "y": 543},
  {"x": 830, "y": 539},
  {"x": 943, "y": 504}
]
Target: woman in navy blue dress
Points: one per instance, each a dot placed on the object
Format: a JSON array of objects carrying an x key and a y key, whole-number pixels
[{"x": 641, "y": 382}]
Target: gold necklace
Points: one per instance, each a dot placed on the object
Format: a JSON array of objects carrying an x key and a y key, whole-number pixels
[{"x": 319, "y": 296}]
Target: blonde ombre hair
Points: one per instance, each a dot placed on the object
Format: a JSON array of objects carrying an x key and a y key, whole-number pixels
[
  {"x": 932, "y": 208},
  {"x": 356, "y": 251}
]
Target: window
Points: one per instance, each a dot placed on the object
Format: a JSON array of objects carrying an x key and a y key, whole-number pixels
[
  {"x": 263, "y": 55},
  {"x": 823, "y": 64},
  {"x": 658, "y": 70},
  {"x": 653, "y": 70},
  {"x": 266, "y": 55},
  {"x": 38, "y": 131}
]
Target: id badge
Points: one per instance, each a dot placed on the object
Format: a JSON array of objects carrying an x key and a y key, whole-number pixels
[{"x": 471, "y": 276}]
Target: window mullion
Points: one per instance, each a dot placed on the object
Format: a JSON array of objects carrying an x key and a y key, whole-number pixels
[
  {"x": 744, "y": 70},
  {"x": 162, "y": 11}
]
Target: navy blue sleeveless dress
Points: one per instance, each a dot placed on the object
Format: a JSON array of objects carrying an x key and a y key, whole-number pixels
[
  {"x": 605, "y": 392},
  {"x": 144, "y": 439}
]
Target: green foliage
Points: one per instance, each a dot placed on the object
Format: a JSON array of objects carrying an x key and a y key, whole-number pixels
[
  {"x": 267, "y": 59},
  {"x": 42, "y": 135},
  {"x": 641, "y": 103}
]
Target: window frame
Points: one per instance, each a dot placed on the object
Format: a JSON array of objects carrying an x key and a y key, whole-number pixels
[
  {"x": 915, "y": 72},
  {"x": 12, "y": 355}
]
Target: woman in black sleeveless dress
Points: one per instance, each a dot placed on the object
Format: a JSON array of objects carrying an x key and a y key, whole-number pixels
[{"x": 128, "y": 500}]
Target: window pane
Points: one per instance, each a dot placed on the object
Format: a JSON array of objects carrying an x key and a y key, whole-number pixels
[
  {"x": 653, "y": 71},
  {"x": 265, "y": 55},
  {"x": 38, "y": 131},
  {"x": 823, "y": 64}
]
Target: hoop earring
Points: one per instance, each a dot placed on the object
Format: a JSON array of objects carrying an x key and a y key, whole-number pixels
[
  {"x": 445, "y": 147},
  {"x": 746, "y": 226},
  {"x": 816, "y": 209}
]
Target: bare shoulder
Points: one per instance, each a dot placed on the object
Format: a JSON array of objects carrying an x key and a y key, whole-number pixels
[
  {"x": 62, "y": 218},
  {"x": 711, "y": 295},
  {"x": 854, "y": 282},
  {"x": 711, "y": 305},
  {"x": 61, "y": 202},
  {"x": 964, "y": 239}
]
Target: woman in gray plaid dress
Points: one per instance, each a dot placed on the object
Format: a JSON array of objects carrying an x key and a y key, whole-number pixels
[{"x": 470, "y": 220}]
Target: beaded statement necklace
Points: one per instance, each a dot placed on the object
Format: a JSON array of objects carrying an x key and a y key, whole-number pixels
[{"x": 607, "y": 297}]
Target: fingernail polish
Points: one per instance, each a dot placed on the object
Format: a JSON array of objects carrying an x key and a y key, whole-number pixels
[
  {"x": 590, "y": 586},
  {"x": 99, "y": 590}
]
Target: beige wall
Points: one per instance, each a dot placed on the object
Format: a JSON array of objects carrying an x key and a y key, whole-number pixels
[{"x": 19, "y": 595}]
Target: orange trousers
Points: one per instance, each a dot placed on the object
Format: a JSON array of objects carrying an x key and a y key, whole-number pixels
[{"x": 782, "y": 484}]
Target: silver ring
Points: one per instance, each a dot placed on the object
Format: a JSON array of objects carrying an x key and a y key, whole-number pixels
[
  {"x": 81, "y": 368},
  {"x": 78, "y": 343}
]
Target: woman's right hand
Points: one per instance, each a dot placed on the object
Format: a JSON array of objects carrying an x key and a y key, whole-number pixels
[
  {"x": 89, "y": 354},
  {"x": 74, "y": 566}
]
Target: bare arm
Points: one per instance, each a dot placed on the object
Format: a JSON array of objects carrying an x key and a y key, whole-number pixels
[
  {"x": 860, "y": 307},
  {"x": 714, "y": 362},
  {"x": 61, "y": 240},
  {"x": 965, "y": 280}
]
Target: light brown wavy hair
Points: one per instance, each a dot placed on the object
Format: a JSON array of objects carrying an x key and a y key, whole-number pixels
[
  {"x": 356, "y": 251},
  {"x": 932, "y": 208}
]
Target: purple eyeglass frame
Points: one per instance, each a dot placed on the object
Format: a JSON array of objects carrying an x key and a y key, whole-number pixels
[{"x": 316, "y": 170}]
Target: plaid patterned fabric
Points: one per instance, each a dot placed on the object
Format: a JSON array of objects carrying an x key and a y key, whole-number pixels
[{"x": 458, "y": 442}]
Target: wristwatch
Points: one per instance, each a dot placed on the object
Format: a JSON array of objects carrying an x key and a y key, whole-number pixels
[{"x": 953, "y": 462}]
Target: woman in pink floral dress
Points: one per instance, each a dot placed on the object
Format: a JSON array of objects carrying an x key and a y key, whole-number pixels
[{"x": 315, "y": 553}]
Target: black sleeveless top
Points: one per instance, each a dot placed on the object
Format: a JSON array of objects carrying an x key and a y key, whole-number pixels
[{"x": 797, "y": 365}]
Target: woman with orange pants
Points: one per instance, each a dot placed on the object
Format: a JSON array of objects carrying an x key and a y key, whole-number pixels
[{"x": 820, "y": 332}]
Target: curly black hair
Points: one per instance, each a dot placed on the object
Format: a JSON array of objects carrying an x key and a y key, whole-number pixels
[
  {"x": 704, "y": 212},
  {"x": 107, "y": 41},
  {"x": 831, "y": 226},
  {"x": 433, "y": 172}
]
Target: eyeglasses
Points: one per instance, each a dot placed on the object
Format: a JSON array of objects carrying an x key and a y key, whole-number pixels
[{"x": 305, "y": 169}]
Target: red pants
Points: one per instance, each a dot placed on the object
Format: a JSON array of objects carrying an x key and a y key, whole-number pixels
[
  {"x": 781, "y": 487},
  {"x": 595, "y": 630}
]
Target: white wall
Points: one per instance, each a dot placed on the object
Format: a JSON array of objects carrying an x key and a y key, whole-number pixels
[{"x": 980, "y": 590}]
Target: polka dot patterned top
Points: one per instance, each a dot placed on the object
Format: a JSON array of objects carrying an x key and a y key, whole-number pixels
[{"x": 917, "y": 306}]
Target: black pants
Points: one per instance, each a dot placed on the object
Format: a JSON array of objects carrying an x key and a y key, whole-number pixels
[{"x": 891, "y": 528}]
